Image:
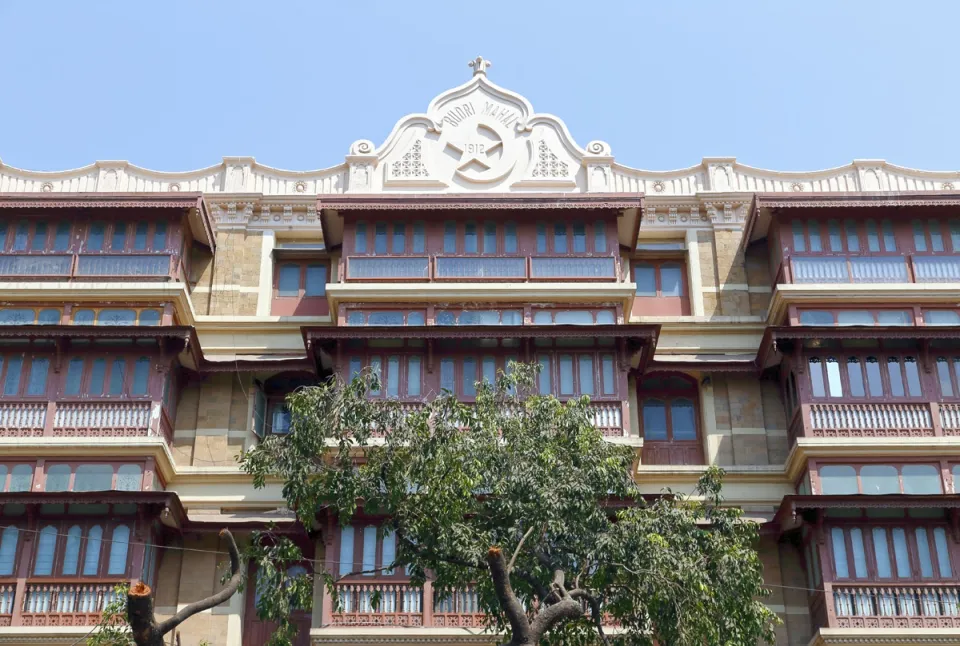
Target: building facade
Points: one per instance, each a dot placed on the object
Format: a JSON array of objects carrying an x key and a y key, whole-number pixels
[{"x": 802, "y": 330}]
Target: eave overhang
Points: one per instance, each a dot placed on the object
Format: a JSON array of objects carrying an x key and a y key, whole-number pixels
[
  {"x": 149, "y": 503},
  {"x": 629, "y": 207},
  {"x": 797, "y": 509},
  {"x": 765, "y": 205},
  {"x": 37, "y": 203},
  {"x": 841, "y": 295}
]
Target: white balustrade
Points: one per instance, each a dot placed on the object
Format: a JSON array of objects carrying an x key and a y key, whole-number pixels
[
  {"x": 871, "y": 419},
  {"x": 98, "y": 416},
  {"x": 361, "y": 267},
  {"x": 68, "y": 598},
  {"x": 7, "y": 593},
  {"x": 936, "y": 269},
  {"x": 123, "y": 265},
  {"x": 573, "y": 267},
  {"x": 820, "y": 270},
  {"x": 950, "y": 417},
  {"x": 867, "y": 601},
  {"x": 34, "y": 265},
  {"x": 478, "y": 267},
  {"x": 21, "y": 417}
]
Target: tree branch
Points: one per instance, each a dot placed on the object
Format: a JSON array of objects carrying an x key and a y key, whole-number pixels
[
  {"x": 517, "y": 617},
  {"x": 143, "y": 622},
  {"x": 594, "y": 611},
  {"x": 516, "y": 552}
]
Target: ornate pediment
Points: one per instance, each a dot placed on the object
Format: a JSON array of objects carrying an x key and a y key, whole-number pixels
[{"x": 479, "y": 137}]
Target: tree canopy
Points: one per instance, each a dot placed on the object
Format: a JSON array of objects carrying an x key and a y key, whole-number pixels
[{"x": 521, "y": 497}]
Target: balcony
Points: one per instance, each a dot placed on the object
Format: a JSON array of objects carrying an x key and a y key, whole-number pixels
[
  {"x": 82, "y": 266},
  {"x": 919, "y": 605},
  {"x": 862, "y": 420},
  {"x": 471, "y": 268},
  {"x": 910, "y": 268},
  {"x": 80, "y": 418},
  {"x": 67, "y": 602}
]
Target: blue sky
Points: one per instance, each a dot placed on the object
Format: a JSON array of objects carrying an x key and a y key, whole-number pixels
[{"x": 177, "y": 85}]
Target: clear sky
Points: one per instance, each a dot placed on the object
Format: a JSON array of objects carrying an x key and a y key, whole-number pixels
[{"x": 177, "y": 85}]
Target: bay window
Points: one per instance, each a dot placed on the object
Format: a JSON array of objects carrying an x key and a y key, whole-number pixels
[
  {"x": 864, "y": 377},
  {"x": 890, "y": 552},
  {"x": 880, "y": 479}
]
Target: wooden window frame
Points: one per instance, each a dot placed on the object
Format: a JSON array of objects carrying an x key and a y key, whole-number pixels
[
  {"x": 73, "y": 464},
  {"x": 909, "y": 526},
  {"x": 684, "y": 448},
  {"x": 63, "y": 525},
  {"x": 816, "y": 467},
  {"x": 843, "y": 355},
  {"x": 399, "y": 573},
  {"x": 658, "y": 304},
  {"x": 301, "y": 304},
  {"x": 873, "y": 311}
]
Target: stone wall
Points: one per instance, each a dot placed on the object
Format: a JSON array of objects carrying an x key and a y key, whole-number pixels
[
  {"x": 235, "y": 281},
  {"x": 749, "y": 425},
  {"x": 213, "y": 420}
]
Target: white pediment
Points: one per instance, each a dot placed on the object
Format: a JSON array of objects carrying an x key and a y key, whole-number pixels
[{"x": 478, "y": 137}]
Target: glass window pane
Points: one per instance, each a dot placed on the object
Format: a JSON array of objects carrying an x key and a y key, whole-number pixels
[
  {"x": 881, "y": 551},
  {"x": 375, "y": 367},
  {"x": 511, "y": 317},
  {"x": 836, "y": 240},
  {"x": 919, "y": 236},
  {"x": 489, "y": 370},
  {"x": 97, "y": 373},
  {"x": 923, "y": 552},
  {"x": 920, "y": 479},
  {"x": 654, "y": 420},
  {"x": 119, "y": 547},
  {"x": 573, "y": 317},
  {"x": 380, "y": 238},
  {"x": 95, "y": 237},
  {"x": 838, "y": 480},
  {"x": 159, "y": 236},
  {"x": 39, "y": 242},
  {"x": 413, "y": 376},
  {"x": 854, "y": 317},
  {"x": 141, "y": 374},
  {"x": 416, "y": 318},
  {"x": 450, "y": 237},
  {"x": 37, "y": 385},
  {"x": 280, "y": 420},
  {"x": 943, "y": 375},
  {"x": 74, "y": 377},
  {"x": 119, "y": 238},
  {"x": 943, "y": 552},
  {"x": 393, "y": 376},
  {"x": 84, "y": 317},
  {"x": 17, "y": 316},
  {"x": 346, "y": 550},
  {"x": 21, "y": 236},
  {"x": 816, "y": 378},
  {"x": 360, "y": 238},
  {"x": 149, "y": 317},
  {"x": 853, "y": 240},
  {"x": 560, "y": 237},
  {"x": 543, "y": 317},
  {"x": 941, "y": 317},
  {"x": 609, "y": 386},
  {"x": 510, "y": 238},
  {"x": 93, "y": 477},
  {"x": 813, "y": 229},
  {"x": 369, "y": 550},
  {"x": 894, "y": 317},
  {"x": 389, "y": 554},
  {"x": 859, "y": 553},
  {"x": 140, "y": 237},
  {"x": 855, "y": 377},
  {"x": 878, "y": 479},
  {"x": 21, "y": 478},
  {"x": 839, "y": 548},
  {"x": 11, "y": 385},
  {"x": 385, "y": 318},
  {"x": 586, "y": 374},
  {"x": 356, "y": 365},
  {"x": 566, "y": 374},
  {"x": 900, "y": 552},
  {"x": 489, "y": 237},
  {"x": 289, "y": 283},
  {"x": 128, "y": 477},
  {"x": 419, "y": 237},
  {"x": 896, "y": 376},
  {"x": 955, "y": 235},
  {"x": 8, "y": 550},
  {"x": 874, "y": 381},
  {"x": 46, "y": 550},
  {"x": 545, "y": 377},
  {"x": 645, "y": 276},
  {"x": 470, "y": 237},
  {"x": 833, "y": 377},
  {"x": 316, "y": 280},
  {"x": 117, "y": 317},
  {"x": 873, "y": 238},
  {"x": 58, "y": 478},
  {"x": 541, "y": 237},
  {"x": 605, "y": 317},
  {"x": 936, "y": 235},
  {"x": 399, "y": 243},
  {"x": 683, "y": 421},
  {"x": 671, "y": 280},
  {"x": 913, "y": 376},
  {"x": 117, "y": 376},
  {"x": 889, "y": 240},
  {"x": 49, "y": 317},
  {"x": 579, "y": 237},
  {"x": 600, "y": 236},
  {"x": 814, "y": 317},
  {"x": 61, "y": 241},
  {"x": 71, "y": 552},
  {"x": 799, "y": 241},
  {"x": 469, "y": 376},
  {"x": 447, "y": 375}
]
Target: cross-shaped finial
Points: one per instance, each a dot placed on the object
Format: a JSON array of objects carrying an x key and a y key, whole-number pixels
[{"x": 480, "y": 65}]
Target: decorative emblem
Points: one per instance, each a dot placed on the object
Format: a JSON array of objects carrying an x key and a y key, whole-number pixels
[
  {"x": 947, "y": 186},
  {"x": 796, "y": 187},
  {"x": 480, "y": 65},
  {"x": 411, "y": 164},
  {"x": 659, "y": 187},
  {"x": 46, "y": 187},
  {"x": 481, "y": 146},
  {"x": 300, "y": 187},
  {"x": 174, "y": 186},
  {"x": 548, "y": 164}
]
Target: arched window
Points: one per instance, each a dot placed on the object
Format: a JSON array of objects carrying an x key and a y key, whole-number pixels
[
  {"x": 58, "y": 478},
  {"x": 71, "y": 552},
  {"x": 91, "y": 559},
  {"x": 46, "y": 548},
  {"x": 668, "y": 417},
  {"x": 118, "y": 550},
  {"x": 128, "y": 477},
  {"x": 8, "y": 550}
]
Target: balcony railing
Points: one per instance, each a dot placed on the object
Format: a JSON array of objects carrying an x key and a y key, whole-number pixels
[
  {"x": 467, "y": 268},
  {"x": 810, "y": 269},
  {"x": 91, "y": 266},
  {"x": 460, "y": 609},
  {"x": 892, "y": 606},
  {"x": 870, "y": 420},
  {"x": 399, "y": 604},
  {"x": 66, "y": 603},
  {"x": 82, "y": 419}
]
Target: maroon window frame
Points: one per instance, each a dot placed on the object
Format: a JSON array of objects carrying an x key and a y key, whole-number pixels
[
  {"x": 301, "y": 303},
  {"x": 657, "y": 303},
  {"x": 870, "y": 550},
  {"x": 63, "y": 526},
  {"x": 909, "y": 364},
  {"x": 670, "y": 389}
]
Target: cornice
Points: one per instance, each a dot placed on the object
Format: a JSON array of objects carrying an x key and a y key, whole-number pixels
[
  {"x": 585, "y": 292},
  {"x": 886, "y": 636},
  {"x": 460, "y": 201},
  {"x": 856, "y": 200},
  {"x": 47, "y": 200},
  {"x": 805, "y": 448},
  {"x": 834, "y": 295}
]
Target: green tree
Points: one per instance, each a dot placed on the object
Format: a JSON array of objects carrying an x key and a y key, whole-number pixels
[{"x": 519, "y": 496}]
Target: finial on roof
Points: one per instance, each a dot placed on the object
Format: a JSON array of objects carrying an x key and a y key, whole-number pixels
[{"x": 480, "y": 65}]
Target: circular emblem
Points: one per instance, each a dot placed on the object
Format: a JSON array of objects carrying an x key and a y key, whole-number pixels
[
  {"x": 659, "y": 187},
  {"x": 46, "y": 187},
  {"x": 948, "y": 186},
  {"x": 174, "y": 186},
  {"x": 482, "y": 149},
  {"x": 796, "y": 187},
  {"x": 301, "y": 186}
]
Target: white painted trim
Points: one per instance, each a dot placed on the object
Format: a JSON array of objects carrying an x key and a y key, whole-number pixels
[
  {"x": 693, "y": 273},
  {"x": 265, "y": 296}
]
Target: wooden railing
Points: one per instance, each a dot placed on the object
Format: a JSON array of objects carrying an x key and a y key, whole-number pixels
[
  {"x": 66, "y": 603},
  {"x": 460, "y": 609},
  {"x": 99, "y": 266},
  {"x": 479, "y": 267},
  {"x": 870, "y": 420},
  {"x": 893, "y": 606},
  {"x": 77, "y": 418}
]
